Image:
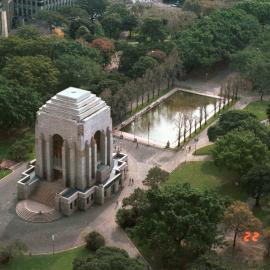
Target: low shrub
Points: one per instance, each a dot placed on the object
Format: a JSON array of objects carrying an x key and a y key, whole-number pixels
[{"x": 94, "y": 241}]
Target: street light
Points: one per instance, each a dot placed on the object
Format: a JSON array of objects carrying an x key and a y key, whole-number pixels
[
  {"x": 53, "y": 243},
  {"x": 148, "y": 128},
  {"x": 196, "y": 141}
]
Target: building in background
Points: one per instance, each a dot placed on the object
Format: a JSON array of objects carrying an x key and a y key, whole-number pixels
[
  {"x": 6, "y": 16},
  {"x": 27, "y": 9}
]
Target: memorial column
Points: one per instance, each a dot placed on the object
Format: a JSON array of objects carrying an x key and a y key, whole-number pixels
[
  {"x": 49, "y": 158},
  {"x": 94, "y": 157},
  {"x": 72, "y": 167},
  {"x": 64, "y": 163}
]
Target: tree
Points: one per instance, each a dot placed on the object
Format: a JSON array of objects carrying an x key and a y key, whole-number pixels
[
  {"x": 193, "y": 6},
  {"x": 95, "y": 8},
  {"x": 136, "y": 200},
  {"x": 266, "y": 234},
  {"x": 77, "y": 71},
  {"x": 257, "y": 182},
  {"x": 11, "y": 250},
  {"x": 231, "y": 120},
  {"x": 174, "y": 219},
  {"x": 239, "y": 151},
  {"x": 130, "y": 55},
  {"x": 179, "y": 124},
  {"x": 107, "y": 258},
  {"x": 126, "y": 218},
  {"x": 155, "y": 177},
  {"x": 52, "y": 17},
  {"x": 259, "y": 9},
  {"x": 105, "y": 46},
  {"x": 130, "y": 22},
  {"x": 22, "y": 149},
  {"x": 239, "y": 219},
  {"x": 18, "y": 106},
  {"x": 214, "y": 37},
  {"x": 36, "y": 72},
  {"x": 144, "y": 63},
  {"x": 94, "y": 240},
  {"x": 268, "y": 112},
  {"x": 153, "y": 29},
  {"x": 27, "y": 32},
  {"x": 73, "y": 48},
  {"x": 14, "y": 46},
  {"x": 112, "y": 24},
  {"x": 208, "y": 261}
]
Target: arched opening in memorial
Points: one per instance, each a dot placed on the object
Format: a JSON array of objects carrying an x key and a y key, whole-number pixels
[
  {"x": 97, "y": 138},
  {"x": 57, "y": 156}
]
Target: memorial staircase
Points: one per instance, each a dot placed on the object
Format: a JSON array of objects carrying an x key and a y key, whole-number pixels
[
  {"x": 39, "y": 207},
  {"x": 45, "y": 192}
]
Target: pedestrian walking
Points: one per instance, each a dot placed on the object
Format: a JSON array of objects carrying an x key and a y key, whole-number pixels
[
  {"x": 189, "y": 148},
  {"x": 132, "y": 181},
  {"x": 116, "y": 204},
  {"x": 137, "y": 145}
]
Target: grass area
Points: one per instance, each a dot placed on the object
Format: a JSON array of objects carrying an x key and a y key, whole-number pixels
[
  {"x": 59, "y": 261},
  {"x": 4, "y": 172},
  {"x": 258, "y": 108},
  {"x": 206, "y": 175},
  {"x": 206, "y": 150}
]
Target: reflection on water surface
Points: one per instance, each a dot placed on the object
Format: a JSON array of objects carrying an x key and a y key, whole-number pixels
[{"x": 161, "y": 120}]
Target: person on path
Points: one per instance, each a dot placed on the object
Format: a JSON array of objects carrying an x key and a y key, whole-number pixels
[
  {"x": 116, "y": 204},
  {"x": 137, "y": 146}
]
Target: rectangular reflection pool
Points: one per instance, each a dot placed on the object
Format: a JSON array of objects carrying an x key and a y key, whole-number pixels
[{"x": 162, "y": 120}]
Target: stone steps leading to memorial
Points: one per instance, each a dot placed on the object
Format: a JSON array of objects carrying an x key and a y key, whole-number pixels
[
  {"x": 45, "y": 192},
  {"x": 29, "y": 211}
]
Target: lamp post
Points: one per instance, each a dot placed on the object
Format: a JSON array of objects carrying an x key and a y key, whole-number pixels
[
  {"x": 148, "y": 129},
  {"x": 53, "y": 243},
  {"x": 186, "y": 149},
  {"x": 196, "y": 141},
  {"x": 133, "y": 123}
]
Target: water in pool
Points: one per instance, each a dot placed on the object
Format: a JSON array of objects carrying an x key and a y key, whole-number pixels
[{"x": 162, "y": 119}]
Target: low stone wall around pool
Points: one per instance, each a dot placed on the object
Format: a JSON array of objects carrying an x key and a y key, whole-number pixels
[{"x": 125, "y": 135}]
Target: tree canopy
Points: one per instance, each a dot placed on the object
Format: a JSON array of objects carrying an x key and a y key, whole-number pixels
[
  {"x": 239, "y": 151},
  {"x": 215, "y": 36},
  {"x": 107, "y": 258},
  {"x": 239, "y": 218},
  {"x": 178, "y": 220},
  {"x": 257, "y": 182}
]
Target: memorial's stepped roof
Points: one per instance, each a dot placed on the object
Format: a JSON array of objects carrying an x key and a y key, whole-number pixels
[{"x": 74, "y": 104}]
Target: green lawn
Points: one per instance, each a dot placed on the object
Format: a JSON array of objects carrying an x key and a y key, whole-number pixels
[
  {"x": 60, "y": 261},
  {"x": 4, "y": 172},
  {"x": 205, "y": 175},
  {"x": 206, "y": 150},
  {"x": 258, "y": 108}
]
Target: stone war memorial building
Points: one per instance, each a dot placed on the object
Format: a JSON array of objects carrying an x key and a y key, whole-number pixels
[{"x": 75, "y": 165}]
